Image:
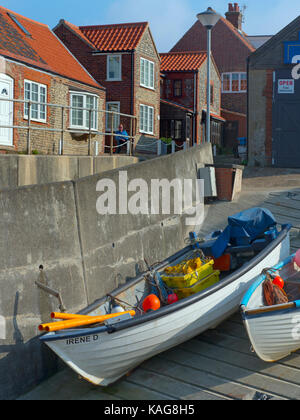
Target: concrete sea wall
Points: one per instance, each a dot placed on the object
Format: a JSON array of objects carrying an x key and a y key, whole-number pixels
[
  {"x": 21, "y": 170},
  {"x": 85, "y": 256}
]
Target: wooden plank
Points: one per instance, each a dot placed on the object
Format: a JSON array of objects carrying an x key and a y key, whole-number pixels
[
  {"x": 252, "y": 363},
  {"x": 243, "y": 346},
  {"x": 130, "y": 391},
  {"x": 228, "y": 372},
  {"x": 197, "y": 377},
  {"x": 233, "y": 329},
  {"x": 173, "y": 387},
  {"x": 284, "y": 212}
]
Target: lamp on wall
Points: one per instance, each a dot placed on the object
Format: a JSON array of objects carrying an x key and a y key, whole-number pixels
[{"x": 208, "y": 19}]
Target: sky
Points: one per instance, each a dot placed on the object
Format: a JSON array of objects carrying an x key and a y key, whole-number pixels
[{"x": 169, "y": 19}]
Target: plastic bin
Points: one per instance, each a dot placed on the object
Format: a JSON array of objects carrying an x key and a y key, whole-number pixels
[
  {"x": 201, "y": 285},
  {"x": 181, "y": 281}
]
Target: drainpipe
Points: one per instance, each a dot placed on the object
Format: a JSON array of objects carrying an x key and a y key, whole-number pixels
[
  {"x": 195, "y": 108},
  {"x": 132, "y": 107},
  {"x": 248, "y": 96}
]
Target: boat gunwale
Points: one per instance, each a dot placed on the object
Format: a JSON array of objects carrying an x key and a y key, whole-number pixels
[{"x": 172, "y": 308}]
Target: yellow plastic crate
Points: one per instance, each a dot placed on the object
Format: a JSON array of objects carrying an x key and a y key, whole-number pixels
[
  {"x": 203, "y": 284},
  {"x": 177, "y": 281}
]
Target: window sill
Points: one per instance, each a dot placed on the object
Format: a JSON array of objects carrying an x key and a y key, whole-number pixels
[
  {"x": 240, "y": 91},
  {"x": 114, "y": 80},
  {"x": 35, "y": 120},
  {"x": 146, "y": 87}
]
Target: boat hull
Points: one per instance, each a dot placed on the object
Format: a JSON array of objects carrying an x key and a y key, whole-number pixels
[
  {"x": 274, "y": 336},
  {"x": 103, "y": 357}
]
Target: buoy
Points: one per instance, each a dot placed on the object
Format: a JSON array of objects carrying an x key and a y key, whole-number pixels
[
  {"x": 297, "y": 258},
  {"x": 173, "y": 298},
  {"x": 151, "y": 303},
  {"x": 278, "y": 281}
]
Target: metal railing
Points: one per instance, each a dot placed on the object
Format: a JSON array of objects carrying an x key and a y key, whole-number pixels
[{"x": 63, "y": 129}]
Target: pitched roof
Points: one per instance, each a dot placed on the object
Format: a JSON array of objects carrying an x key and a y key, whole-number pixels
[
  {"x": 238, "y": 33},
  {"x": 182, "y": 61},
  {"x": 34, "y": 43},
  {"x": 111, "y": 38}
]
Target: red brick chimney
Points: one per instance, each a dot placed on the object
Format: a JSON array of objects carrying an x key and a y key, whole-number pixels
[{"x": 234, "y": 15}]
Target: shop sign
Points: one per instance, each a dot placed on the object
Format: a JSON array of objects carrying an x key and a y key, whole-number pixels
[
  {"x": 292, "y": 52},
  {"x": 286, "y": 86}
]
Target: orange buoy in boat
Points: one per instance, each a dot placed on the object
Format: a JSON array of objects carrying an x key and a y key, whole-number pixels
[
  {"x": 279, "y": 282},
  {"x": 151, "y": 303}
]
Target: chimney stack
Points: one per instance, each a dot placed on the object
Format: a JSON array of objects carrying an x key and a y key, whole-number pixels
[{"x": 234, "y": 15}]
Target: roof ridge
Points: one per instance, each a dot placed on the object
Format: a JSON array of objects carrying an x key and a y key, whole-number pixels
[
  {"x": 113, "y": 25},
  {"x": 183, "y": 52}
]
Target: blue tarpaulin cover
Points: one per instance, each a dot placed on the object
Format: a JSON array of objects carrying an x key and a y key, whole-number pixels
[{"x": 244, "y": 228}]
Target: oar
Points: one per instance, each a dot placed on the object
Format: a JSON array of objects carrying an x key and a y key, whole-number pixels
[{"x": 74, "y": 323}]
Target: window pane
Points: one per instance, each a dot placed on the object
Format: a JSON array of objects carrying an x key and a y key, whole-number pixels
[
  {"x": 178, "y": 130},
  {"x": 114, "y": 67},
  {"x": 142, "y": 71},
  {"x": 235, "y": 82},
  {"x": 244, "y": 81},
  {"x": 27, "y": 97},
  {"x": 77, "y": 114},
  {"x": 43, "y": 100},
  {"x": 178, "y": 88},
  {"x": 150, "y": 122},
  {"x": 112, "y": 107},
  {"x": 142, "y": 128},
  {"x": 152, "y": 75},
  {"x": 147, "y": 73},
  {"x": 226, "y": 82},
  {"x": 34, "y": 98}
]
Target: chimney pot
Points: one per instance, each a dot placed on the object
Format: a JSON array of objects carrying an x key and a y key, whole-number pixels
[{"x": 234, "y": 15}]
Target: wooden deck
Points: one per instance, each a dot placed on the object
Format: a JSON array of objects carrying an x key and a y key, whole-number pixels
[{"x": 218, "y": 365}]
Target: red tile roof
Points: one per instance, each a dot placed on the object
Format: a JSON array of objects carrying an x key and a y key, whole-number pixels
[
  {"x": 182, "y": 61},
  {"x": 40, "y": 49},
  {"x": 111, "y": 38}
]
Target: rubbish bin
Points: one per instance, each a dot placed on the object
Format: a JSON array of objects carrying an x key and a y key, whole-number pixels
[{"x": 229, "y": 181}]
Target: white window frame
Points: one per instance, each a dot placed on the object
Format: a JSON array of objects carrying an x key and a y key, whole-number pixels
[
  {"x": 146, "y": 123},
  {"x": 85, "y": 122},
  {"x": 147, "y": 76},
  {"x": 35, "y": 107},
  {"x": 114, "y": 79},
  {"x": 116, "y": 117},
  {"x": 240, "y": 82}
]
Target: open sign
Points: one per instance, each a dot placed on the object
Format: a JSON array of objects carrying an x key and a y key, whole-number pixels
[{"x": 286, "y": 86}]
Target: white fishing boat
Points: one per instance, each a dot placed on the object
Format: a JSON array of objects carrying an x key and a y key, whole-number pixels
[
  {"x": 103, "y": 354},
  {"x": 274, "y": 331}
]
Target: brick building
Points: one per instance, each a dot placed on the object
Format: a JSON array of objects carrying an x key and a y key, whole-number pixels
[
  {"x": 124, "y": 59},
  {"x": 231, "y": 48},
  {"x": 274, "y": 100},
  {"x": 183, "y": 93},
  {"x": 36, "y": 67}
]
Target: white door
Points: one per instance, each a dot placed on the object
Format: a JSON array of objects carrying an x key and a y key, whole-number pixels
[{"x": 6, "y": 110}]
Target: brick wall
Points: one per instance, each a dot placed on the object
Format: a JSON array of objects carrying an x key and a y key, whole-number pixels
[
  {"x": 58, "y": 88},
  {"x": 229, "y": 51},
  {"x": 188, "y": 92},
  {"x": 130, "y": 99}
]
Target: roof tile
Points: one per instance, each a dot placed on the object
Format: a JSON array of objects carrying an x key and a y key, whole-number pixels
[
  {"x": 119, "y": 37},
  {"x": 42, "y": 48},
  {"x": 182, "y": 61}
]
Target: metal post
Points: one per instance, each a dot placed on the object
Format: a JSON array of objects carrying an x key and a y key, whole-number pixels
[
  {"x": 62, "y": 130},
  {"x": 208, "y": 85},
  {"x": 90, "y": 133},
  {"x": 130, "y": 140},
  {"x": 28, "y": 129},
  {"x": 112, "y": 135},
  {"x": 173, "y": 146}
]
